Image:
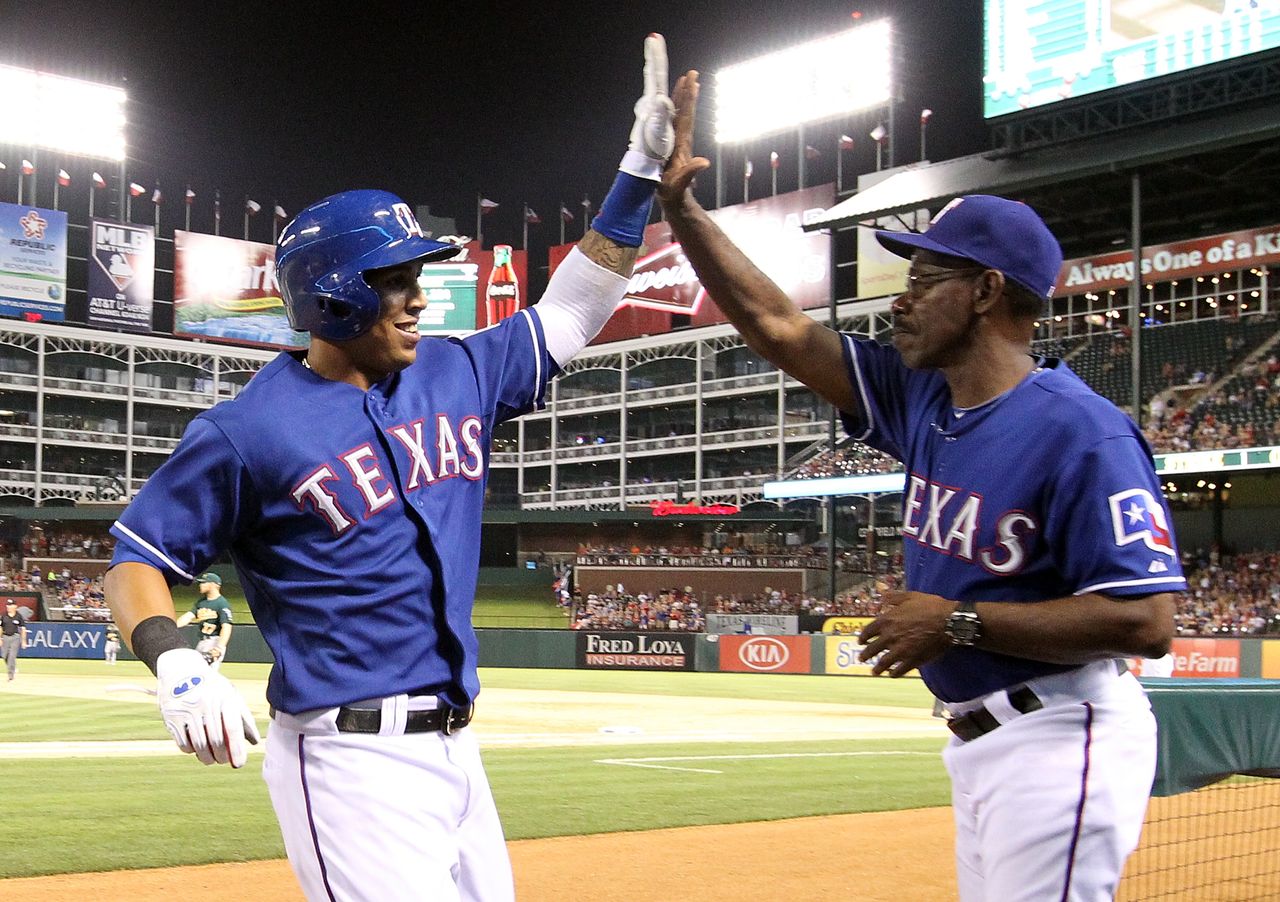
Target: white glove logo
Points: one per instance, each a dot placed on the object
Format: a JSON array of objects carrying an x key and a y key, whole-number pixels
[{"x": 202, "y": 710}]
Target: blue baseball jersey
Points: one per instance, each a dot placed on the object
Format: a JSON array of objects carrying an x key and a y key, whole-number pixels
[
  {"x": 352, "y": 517},
  {"x": 1046, "y": 491}
]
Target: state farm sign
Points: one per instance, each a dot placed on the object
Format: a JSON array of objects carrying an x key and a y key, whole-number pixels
[
  {"x": 765, "y": 654},
  {"x": 1206, "y": 658}
]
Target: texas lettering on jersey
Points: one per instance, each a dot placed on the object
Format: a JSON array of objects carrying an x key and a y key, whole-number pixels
[
  {"x": 948, "y": 520},
  {"x": 449, "y": 453}
]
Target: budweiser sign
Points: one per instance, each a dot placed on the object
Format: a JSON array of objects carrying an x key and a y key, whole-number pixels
[
  {"x": 664, "y": 280},
  {"x": 672, "y": 508}
]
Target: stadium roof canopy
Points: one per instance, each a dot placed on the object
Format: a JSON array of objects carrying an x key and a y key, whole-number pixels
[{"x": 1218, "y": 172}]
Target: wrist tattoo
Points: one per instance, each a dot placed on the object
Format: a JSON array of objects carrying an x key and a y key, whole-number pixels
[{"x": 608, "y": 254}]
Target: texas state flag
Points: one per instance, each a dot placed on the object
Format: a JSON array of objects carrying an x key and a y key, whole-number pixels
[{"x": 1136, "y": 516}]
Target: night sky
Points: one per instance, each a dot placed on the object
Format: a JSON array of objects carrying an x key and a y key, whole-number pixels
[{"x": 290, "y": 102}]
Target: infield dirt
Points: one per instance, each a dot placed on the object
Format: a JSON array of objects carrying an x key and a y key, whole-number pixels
[{"x": 880, "y": 857}]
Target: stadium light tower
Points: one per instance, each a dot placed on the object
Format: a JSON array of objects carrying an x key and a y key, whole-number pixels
[
  {"x": 43, "y": 111},
  {"x": 819, "y": 80}
]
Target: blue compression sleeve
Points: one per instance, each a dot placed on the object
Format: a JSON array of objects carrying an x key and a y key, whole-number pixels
[{"x": 625, "y": 211}]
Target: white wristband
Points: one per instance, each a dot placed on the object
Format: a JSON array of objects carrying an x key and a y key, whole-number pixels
[{"x": 642, "y": 166}]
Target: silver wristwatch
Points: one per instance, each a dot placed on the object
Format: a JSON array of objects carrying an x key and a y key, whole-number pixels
[{"x": 964, "y": 626}]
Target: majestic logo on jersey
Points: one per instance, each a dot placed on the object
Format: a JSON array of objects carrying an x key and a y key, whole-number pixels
[
  {"x": 1137, "y": 517},
  {"x": 452, "y": 453},
  {"x": 948, "y": 519}
]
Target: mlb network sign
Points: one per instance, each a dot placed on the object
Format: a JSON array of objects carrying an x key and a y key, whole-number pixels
[
  {"x": 122, "y": 276},
  {"x": 765, "y": 654}
]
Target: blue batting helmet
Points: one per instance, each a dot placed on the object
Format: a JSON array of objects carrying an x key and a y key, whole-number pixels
[{"x": 322, "y": 256}]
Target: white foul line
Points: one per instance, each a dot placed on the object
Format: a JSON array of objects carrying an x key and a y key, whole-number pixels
[{"x": 647, "y": 762}]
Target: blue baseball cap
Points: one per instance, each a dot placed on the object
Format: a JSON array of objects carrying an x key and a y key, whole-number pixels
[{"x": 998, "y": 233}]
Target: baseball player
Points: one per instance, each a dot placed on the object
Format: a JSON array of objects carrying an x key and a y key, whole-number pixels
[
  {"x": 111, "y": 647},
  {"x": 213, "y": 613},
  {"x": 1037, "y": 544},
  {"x": 346, "y": 482}
]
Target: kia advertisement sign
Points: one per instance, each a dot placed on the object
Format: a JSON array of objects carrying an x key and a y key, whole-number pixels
[
  {"x": 1203, "y": 658},
  {"x": 765, "y": 654},
  {"x": 635, "y": 651},
  {"x": 122, "y": 270},
  {"x": 768, "y": 230},
  {"x": 225, "y": 288}
]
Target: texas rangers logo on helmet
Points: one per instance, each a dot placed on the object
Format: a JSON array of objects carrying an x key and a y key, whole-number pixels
[
  {"x": 407, "y": 220},
  {"x": 1136, "y": 516}
]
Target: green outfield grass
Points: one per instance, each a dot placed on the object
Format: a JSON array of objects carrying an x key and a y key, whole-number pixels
[
  {"x": 72, "y": 815},
  {"x": 496, "y": 607}
]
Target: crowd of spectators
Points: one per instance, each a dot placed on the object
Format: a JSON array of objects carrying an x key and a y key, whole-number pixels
[
  {"x": 616, "y": 609},
  {"x": 811, "y": 557},
  {"x": 853, "y": 459},
  {"x": 54, "y": 541},
  {"x": 1231, "y": 595},
  {"x": 82, "y": 598}
]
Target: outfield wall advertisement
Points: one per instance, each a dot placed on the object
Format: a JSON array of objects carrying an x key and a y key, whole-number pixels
[
  {"x": 636, "y": 651},
  {"x": 122, "y": 271},
  {"x": 842, "y": 656},
  {"x": 765, "y": 654},
  {"x": 33, "y": 262},
  {"x": 754, "y": 624},
  {"x": 64, "y": 640}
]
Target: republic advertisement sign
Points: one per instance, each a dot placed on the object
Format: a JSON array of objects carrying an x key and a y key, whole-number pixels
[
  {"x": 122, "y": 268},
  {"x": 765, "y": 654},
  {"x": 225, "y": 288},
  {"x": 768, "y": 230},
  {"x": 1179, "y": 260},
  {"x": 33, "y": 262},
  {"x": 636, "y": 651}
]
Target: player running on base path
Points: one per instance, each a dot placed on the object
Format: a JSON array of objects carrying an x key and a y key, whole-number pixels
[
  {"x": 213, "y": 613},
  {"x": 1037, "y": 544},
  {"x": 346, "y": 482}
]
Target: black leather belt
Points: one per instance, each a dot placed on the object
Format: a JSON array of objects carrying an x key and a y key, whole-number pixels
[
  {"x": 437, "y": 720},
  {"x": 981, "y": 721}
]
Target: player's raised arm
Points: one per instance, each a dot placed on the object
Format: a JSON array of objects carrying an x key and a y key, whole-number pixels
[
  {"x": 771, "y": 324},
  {"x": 588, "y": 286}
]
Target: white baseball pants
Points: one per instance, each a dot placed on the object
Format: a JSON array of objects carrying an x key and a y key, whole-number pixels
[
  {"x": 1049, "y": 805},
  {"x": 385, "y": 818}
]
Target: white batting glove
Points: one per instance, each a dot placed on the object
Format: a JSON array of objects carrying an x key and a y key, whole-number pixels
[
  {"x": 653, "y": 136},
  {"x": 202, "y": 710}
]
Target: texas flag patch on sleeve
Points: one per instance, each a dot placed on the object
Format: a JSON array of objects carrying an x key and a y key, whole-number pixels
[{"x": 1136, "y": 516}]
